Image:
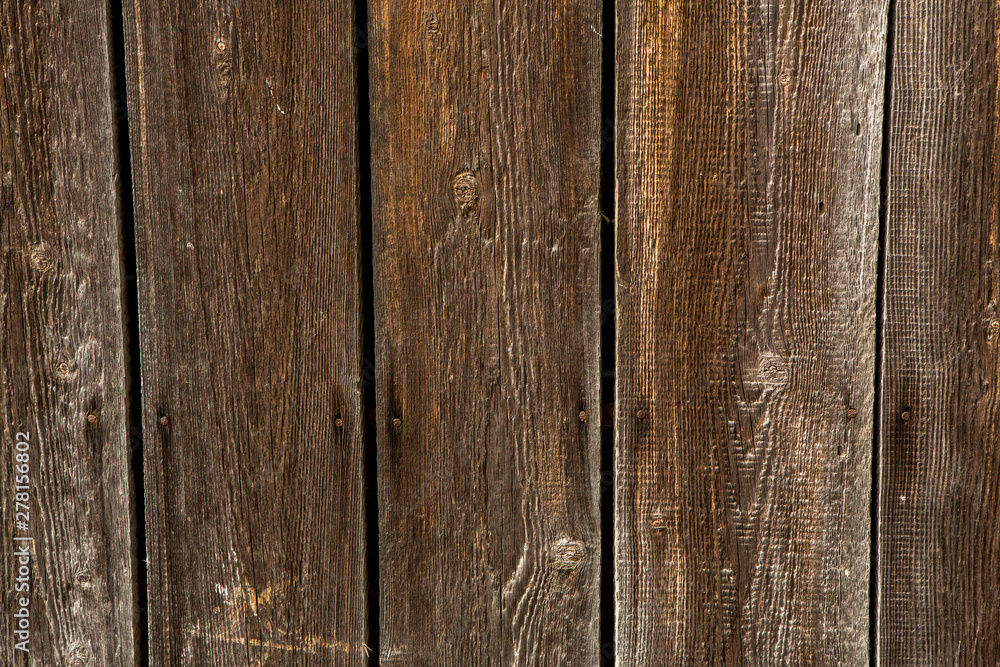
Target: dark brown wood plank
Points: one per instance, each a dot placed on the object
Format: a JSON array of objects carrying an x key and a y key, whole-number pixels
[
  {"x": 939, "y": 528},
  {"x": 748, "y": 152},
  {"x": 243, "y": 126},
  {"x": 486, "y": 249},
  {"x": 63, "y": 377}
]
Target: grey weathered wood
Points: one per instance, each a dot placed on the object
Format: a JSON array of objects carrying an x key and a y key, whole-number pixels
[
  {"x": 486, "y": 248},
  {"x": 748, "y": 151},
  {"x": 939, "y": 528},
  {"x": 62, "y": 357},
  {"x": 243, "y": 127}
]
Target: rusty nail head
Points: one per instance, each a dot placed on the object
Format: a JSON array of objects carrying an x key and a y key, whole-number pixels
[
  {"x": 338, "y": 422},
  {"x": 641, "y": 414},
  {"x": 397, "y": 422},
  {"x": 583, "y": 415},
  {"x": 92, "y": 417},
  {"x": 164, "y": 420},
  {"x": 905, "y": 416},
  {"x": 851, "y": 413}
]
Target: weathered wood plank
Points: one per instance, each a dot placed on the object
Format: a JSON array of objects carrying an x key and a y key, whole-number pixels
[
  {"x": 63, "y": 387},
  {"x": 243, "y": 126},
  {"x": 486, "y": 249},
  {"x": 748, "y": 152},
  {"x": 939, "y": 551}
]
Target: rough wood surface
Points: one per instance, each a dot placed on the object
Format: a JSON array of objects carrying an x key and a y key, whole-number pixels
[
  {"x": 243, "y": 127},
  {"x": 486, "y": 248},
  {"x": 748, "y": 152},
  {"x": 939, "y": 553},
  {"x": 62, "y": 357}
]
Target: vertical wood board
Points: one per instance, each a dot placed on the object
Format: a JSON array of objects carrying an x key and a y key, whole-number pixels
[
  {"x": 243, "y": 126},
  {"x": 939, "y": 527},
  {"x": 486, "y": 248},
  {"x": 747, "y": 156},
  {"x": 65, "y": 486}
]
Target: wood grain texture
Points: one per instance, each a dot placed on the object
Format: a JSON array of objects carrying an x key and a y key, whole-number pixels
[
  {"x": 243, "y": 127},
  {"x": 486, "y": 248},
  {"x": 939, "y": 552},
  {"x": 62, "y": 356},
  {"x": 748, "y": 152}
]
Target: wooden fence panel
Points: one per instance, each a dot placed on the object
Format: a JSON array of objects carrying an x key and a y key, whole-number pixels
[
  {"x": 243, "y": 126},
  {"x": 487, "y": 303},
  {"x": 939, "y": 554},
  {"x": 748, "y": 152},
  {"x": 63, "y": 392}
]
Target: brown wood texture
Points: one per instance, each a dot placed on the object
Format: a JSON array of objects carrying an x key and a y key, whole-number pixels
[
  {"x": 486, "y": 247},
  {"x": 243, "y": 135},
  {"x": 748, "y": 152},
  {"x": 939, "y": 527},
  {"x": 62, "y": 359}
]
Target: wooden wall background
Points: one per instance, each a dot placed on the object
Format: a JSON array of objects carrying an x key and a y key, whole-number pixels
[{"x": 469, "y": 333}]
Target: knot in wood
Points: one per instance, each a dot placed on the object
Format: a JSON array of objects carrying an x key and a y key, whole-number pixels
[
  {"x": 41, "y": 258},
  {"x": 223, "y": 60},
  {"x": 65, "y": 370},
  {"x": 772, "y": 369},
  {"x": 567, "y": 554},
  {"x": 80, "y": 656},
  {"x": 465, "y": 187}
]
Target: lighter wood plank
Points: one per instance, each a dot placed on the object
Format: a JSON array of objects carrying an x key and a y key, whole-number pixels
[
  {"x": 243, "y": 126},
  {"x": 62, "y": 357},
  {"x": 486, "y": 232},
  {"x": 939, "y": 553},
  {"x": 748, "y": 146}
]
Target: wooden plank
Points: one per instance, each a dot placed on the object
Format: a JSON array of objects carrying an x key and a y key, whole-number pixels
[
  {"x": 487, "y": 303},
  {"x": 243, "y": 125},
  {"x": 62, "y": 357},
  {"x": 939, "y": 528},
  {"x": 748, "y": 151}
]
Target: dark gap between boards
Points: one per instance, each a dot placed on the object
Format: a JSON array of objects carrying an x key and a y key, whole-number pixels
[
  {"x": 368, "y": 323},
  {"x": 131, "y": 313},
  {"x": 607, "y": 199},
  {"x": 873, "y": 590}
]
